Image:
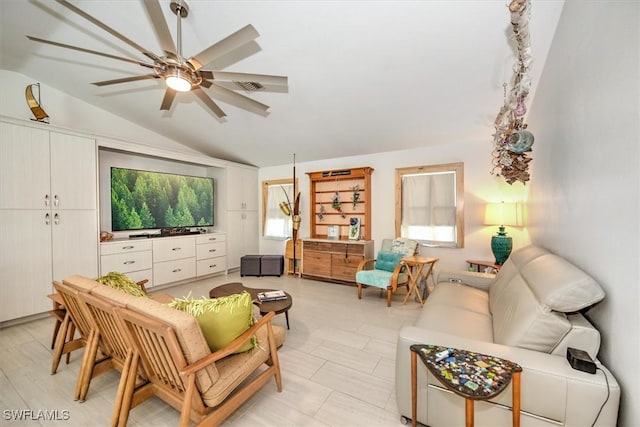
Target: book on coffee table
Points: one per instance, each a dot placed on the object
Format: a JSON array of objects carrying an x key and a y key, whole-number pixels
[{"x": 271, "y": 296}]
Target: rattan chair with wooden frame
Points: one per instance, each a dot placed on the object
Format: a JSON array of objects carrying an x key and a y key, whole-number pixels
[{"x": 173, "y": 380}]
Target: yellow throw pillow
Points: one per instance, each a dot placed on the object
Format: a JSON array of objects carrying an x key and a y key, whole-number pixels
[
  {"x": 121, "y": 282},
  {"x": 221, "y": 319}
]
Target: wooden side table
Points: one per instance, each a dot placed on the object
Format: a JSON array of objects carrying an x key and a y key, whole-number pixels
[
  {"x": 417, "y": 263},
  {"x": 482, "y": 263},
  {"x": 471, "y": 375}
]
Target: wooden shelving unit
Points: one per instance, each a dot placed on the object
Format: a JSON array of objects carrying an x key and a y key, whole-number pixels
[{"x": 323, "y": 188}]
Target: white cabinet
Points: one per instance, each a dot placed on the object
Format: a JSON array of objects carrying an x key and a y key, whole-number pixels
[
  {"x": 165, "y": 260},
  {"x": 49, "y": 225},
  {"x": 242, "y": 189},
  {"x": 242, "y": 214},
  {"x": 242, "y": 236},
  {"x": 211, "y": 251},
  {"x": 131, "y": 257}
]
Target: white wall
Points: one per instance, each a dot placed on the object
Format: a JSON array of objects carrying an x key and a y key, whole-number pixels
[
  {"x": 480, "y": 187},
  {"x": 585, "y": 181},
  {"x": 71, "y": 113}
]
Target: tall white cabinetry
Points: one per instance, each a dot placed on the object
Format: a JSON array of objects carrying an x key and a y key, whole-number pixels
[
  {"x": 242, "y": 210},
  {"x": 48, "y": 218}
]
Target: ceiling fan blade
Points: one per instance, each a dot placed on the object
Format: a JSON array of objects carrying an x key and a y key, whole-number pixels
[
  {"x": 169, "y": 95},
  {"x": 126, "y": 80},
  {"x": 93, "y": 52},
  {"x": 207, "y": 100},
  {"x": 242, "y": 101},
  {"x": 248, "y": 77},
  {"x": 108, "y": 29},
  {"x": 160, "y": 25},
  {"x": 206, "y": 83},
  {"x": 235, "y": 40}
]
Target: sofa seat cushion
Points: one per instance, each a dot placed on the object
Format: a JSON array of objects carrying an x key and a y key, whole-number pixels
[
  {"x": 461, "y": 296},
  {"x": 455, "y": 321},
  {"x": 236, "y": 368},
  {"x": 379, "y": 278},
  {"x": 188, "y": 332}
]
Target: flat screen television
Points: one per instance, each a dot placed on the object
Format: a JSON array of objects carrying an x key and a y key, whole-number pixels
[{"x": 142, "y": 200}]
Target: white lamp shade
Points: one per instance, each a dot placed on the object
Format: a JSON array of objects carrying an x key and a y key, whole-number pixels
[{"x": 504, "y": 214}]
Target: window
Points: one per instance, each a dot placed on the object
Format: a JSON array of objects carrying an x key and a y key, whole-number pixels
[
  {"x": 275, "y": 224},
  {"x": 429, "y": 204}
]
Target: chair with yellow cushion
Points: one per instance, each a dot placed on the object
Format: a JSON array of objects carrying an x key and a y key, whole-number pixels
[{"x": 386, "y": 271}]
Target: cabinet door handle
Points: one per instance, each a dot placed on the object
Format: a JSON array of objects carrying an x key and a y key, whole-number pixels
[
  {"x": 47, "y": 219},
  {"x": 56, "y": 219},
  {"x": 177, "y": 270},
  {"x": 128, "y": 247},
  {"x": 176, "y": 249},
  {"x": 213, "y": 266},
  {"x": 56, "y": 201},
  {"x": 213, "y": 238},
  {"x": 128, "y": 262},
  {"x": 212, "y": 250},
  {"x": 46, "y": 200}
]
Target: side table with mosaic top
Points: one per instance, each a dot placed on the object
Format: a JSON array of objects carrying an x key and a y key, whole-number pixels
[{"x": 471, "y": 375}]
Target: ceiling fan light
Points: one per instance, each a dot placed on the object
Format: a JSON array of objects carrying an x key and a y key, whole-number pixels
[{"x": 178, "y": 80}]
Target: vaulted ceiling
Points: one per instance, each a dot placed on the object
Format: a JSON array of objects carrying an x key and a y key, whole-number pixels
[{"x": 364, "y": 76}]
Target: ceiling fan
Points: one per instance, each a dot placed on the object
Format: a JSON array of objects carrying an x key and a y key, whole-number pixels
[{"x": 179, "y": 73}]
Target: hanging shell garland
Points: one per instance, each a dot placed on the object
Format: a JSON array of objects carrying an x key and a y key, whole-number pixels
[{"x": 511, "y": 140}]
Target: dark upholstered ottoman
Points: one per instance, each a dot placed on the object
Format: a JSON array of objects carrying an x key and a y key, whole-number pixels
[
  {"x": 250, "y": 265},
  {"x": 271, "y": 265}
]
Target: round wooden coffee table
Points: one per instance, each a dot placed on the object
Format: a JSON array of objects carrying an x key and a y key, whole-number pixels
[{"x": 279, "y": 306}]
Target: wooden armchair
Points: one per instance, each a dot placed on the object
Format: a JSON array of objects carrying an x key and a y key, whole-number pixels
[
  {"x": 386, "y": 271},
  {"x": 110, "y": 337},
  {"x": 205, "y": 387},
  {"x": 77, "y": 314}
]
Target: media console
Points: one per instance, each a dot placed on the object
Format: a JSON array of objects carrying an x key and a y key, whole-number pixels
[{"x": 165, "y": 260}]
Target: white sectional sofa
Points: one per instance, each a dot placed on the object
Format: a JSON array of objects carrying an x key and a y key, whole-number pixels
[{"x": 528, "y": 313}]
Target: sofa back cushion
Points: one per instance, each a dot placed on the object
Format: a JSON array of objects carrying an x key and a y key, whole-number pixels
[
  {"x": 387, "y": 261},
  {"x": 530, "y": 296},
  {"x": 187, "y": 330}
]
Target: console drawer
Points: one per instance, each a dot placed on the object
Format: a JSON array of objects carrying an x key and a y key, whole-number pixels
[
  {"x": 125, "y": 262},
  {"x": 173, "y": 248},
  {"x": 211, "y": 265},
  {"x": 173, "y": 271},
  {"x": 210, "y": 250},
  {"x": 125, "y": 247}
]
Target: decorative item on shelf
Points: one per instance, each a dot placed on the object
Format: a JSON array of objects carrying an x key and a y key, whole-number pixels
[
  {"x": 35, "y": 105},
  {"x": 105, "y": 236},
  {"x": 333, "y": 232},
  {"x": 354, "y": 228},
  {"x": 502, "y": 214},
  {"x": 511, "y": 140},
  {"x": 337, "y": 204},
  {"x": 356, "y": 195},
  {"x": 321, "y": 213}
]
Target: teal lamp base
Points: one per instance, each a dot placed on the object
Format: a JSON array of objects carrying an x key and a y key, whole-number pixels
[{"x": 501, "y": 246}]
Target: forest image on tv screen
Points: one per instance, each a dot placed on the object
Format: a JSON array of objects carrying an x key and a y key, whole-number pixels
[{"x": 143, "y": 200}]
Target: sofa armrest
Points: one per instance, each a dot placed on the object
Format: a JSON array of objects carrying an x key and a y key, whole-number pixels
[
  {"x": 550, "y": 387},
  {"x": 469, "y": 278}
]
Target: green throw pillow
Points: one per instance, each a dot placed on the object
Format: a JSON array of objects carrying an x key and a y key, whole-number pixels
[
  {"x": 387, "y": 261},
  {"x": 221, "y": 319},
  {"x": 119, "y": 281}
]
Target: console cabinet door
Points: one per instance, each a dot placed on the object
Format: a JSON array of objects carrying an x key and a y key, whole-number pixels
[
  {"x": 73, "y": 172},
  {"x": 25, "y": 263},
  {"x": 74, "y": 243},
  {"x": 24, "y": 167}
]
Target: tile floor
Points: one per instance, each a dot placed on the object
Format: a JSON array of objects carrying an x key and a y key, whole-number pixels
[{"x": 337, "y": 365}]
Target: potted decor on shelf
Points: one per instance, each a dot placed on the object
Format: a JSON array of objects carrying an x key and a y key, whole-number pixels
[{"x": 354, "y": 228}]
